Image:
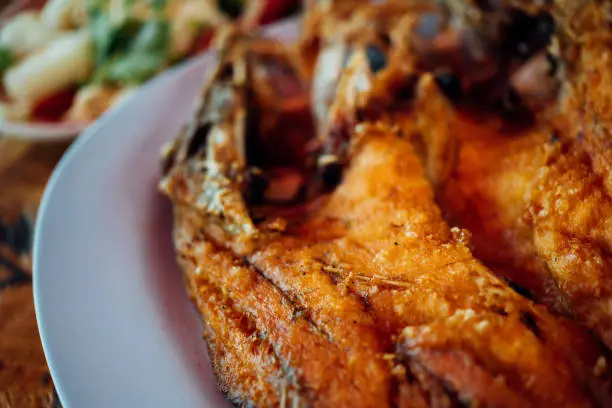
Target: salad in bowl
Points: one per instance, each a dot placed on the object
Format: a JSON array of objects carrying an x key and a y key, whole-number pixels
[{"x": 67, "y": 61}]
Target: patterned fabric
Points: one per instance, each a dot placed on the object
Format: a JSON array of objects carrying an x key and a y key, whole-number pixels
[{"x": 24, "y": 377}]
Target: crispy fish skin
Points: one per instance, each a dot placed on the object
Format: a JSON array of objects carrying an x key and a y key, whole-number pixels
[
  {"x": 546, "y": 223},
  {"x": 482, "y": 189},
  {"x": 583, "y": 113},
  {"x": 582, "y": 41},
  {"x": 315, "y": 296},
  {"x": 536, "y": 206},
  {"x": 248, "y": 370},
  {"x": 536, "y": 200},
  {"x": 369, "y": 298},
  {"x": 438, "y": 262},
  {"x": 569, "y": 213},
  {"x": 322, "y": 369}
]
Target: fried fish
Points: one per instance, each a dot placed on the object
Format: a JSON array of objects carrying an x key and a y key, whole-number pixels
[
  {"x": 535, "y": 197},
  {"x": 349, "y": 290}
]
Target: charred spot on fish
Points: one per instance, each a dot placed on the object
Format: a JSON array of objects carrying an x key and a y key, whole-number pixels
[
  {"x": 513, "y": 109},
  {"x": 511, "y": 101},
  {"x": 360, "y": 115},
  {"x": 449, "y": 85},
  {"x": 553, "y": 63},
  {"x": 554, "y": 138},
  {"x": 227, "y": 72},
  {"x": 372, "y": 112},
  {"x": 197, "y": 141},
  {"x": 257, "y": 218},
  {"x": 520, "y": 290},
  {"x": 545, "y": 26},
  {"x": 330, "y": 171},
  {"x": 455, "y": 397},
  {"x": 405, "y": 90},
  {"x": 385, "y": 39},
  {"x": 302, "y": 194},
  {"x": 338, "y": 140},
  {"x": 168, "y": 156},
  {"x": 499, "y": 311},
  {"x": 256, "y": 184},
  {"x": 523, "y": 50},
  {"x": 439, "y": 391},
  {"x": 525, "y": 35},
  {"x": 377, "y": 59},
  {"x": 255, "y": 149},
  {"x": 529, "y": 321},
  {"x": 516, "y": 32},
  {"x": 489, "y": 5}
]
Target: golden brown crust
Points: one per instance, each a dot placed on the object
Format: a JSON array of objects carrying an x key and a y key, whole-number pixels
[
  {"x": 537, "y": 210},
  {"x": 312, "y": 358},
  {"x": 367, "y": 297},
  {"x": 536, "y": 200},
  {"x": 317, "y": 297},
  {"x": 247, "y": 368}
]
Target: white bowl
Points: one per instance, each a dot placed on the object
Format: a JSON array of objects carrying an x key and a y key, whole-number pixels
[{"x": 41, "y": 132}]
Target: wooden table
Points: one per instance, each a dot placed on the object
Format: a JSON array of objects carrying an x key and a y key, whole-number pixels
[{"x": 24, "y": 171}]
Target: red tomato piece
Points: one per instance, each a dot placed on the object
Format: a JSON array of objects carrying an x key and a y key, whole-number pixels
[
  {"x": 276, "y": 9},
  {"x": 203, "y": 41},
  {"x": 53, "y": 108}
]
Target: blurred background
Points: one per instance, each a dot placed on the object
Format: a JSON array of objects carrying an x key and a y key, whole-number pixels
[{"x": 63, "y": 63}]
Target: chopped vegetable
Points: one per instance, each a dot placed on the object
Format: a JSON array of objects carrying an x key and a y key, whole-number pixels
[
  {"x": 129, "y": 53},
  {"x": 66, "y": 62},
  {"x": 102, "y": 43},
  {"x": 153, "y": 36},
  {"x": 52, "y": 108},
  {"x": 203, "y": 41},
  {"x": 158, "y": 4},
  {"x": 6, "y": 58},
  {"x": 122, "y": 37},
  {"x": 26, "y": 33},
  {"x": 109, "y": 39},
  {"x": 130, "y": 69},
  {"x": 64, "y": 14},
  {"x": 101, "y": 30},
  {"x": 91, "y": 101}
]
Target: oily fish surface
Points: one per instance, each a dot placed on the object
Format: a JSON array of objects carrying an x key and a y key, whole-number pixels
[
  {"x": 374, "y": 301},
  {"x": 536, "y": 204}
]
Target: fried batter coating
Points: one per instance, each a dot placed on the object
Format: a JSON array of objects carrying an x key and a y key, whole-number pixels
[
  {"x": 363, "y": 295},
  {"x": 376, "y": 261}
]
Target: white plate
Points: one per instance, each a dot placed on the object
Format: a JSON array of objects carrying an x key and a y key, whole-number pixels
[{"x": 117, "y": 327}]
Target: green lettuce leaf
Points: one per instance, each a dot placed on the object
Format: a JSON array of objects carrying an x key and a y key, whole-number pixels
[{"x": 6, "y": 58}]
